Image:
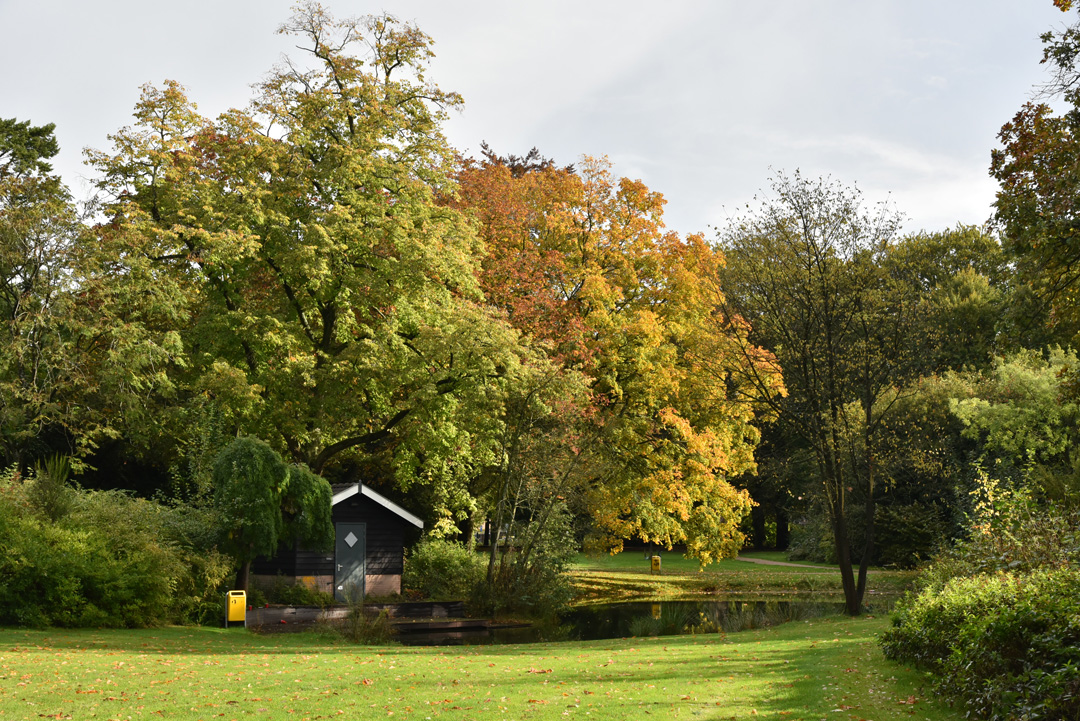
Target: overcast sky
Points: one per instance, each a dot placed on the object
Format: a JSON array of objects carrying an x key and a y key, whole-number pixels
[{"x": 701, "y": 99}]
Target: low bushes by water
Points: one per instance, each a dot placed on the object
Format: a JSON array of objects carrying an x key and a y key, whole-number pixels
[
  {"x": 997, "y": 617},
  {"x": 537, "y": 587},
  {"x": 529, "y": 579},
  {"x": 363, "y": 628},
  {"x": 443, "y": 570},
  {"x": 1006, "y": 645}
]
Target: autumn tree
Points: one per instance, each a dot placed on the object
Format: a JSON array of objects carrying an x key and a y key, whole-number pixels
[
  {"x": 805, "y": 278},
  {"x": 1038, "y": 168},
  {"x": 581, "y": 263}
]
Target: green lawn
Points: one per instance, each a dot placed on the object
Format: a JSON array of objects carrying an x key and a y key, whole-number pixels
[
  {"x": 627, "y": 576},
  {"x": 675, "y": 562},
  {"x": 826, "y": 668}
]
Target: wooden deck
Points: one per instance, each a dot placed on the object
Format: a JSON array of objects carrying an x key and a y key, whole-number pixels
[{"x": 406, "y": 617}]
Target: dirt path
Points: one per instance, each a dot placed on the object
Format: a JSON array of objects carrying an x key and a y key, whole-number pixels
[{"x": 766, "y": 562}]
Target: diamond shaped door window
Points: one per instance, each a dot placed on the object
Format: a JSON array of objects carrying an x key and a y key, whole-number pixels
[{"x": 351, "y": 539}]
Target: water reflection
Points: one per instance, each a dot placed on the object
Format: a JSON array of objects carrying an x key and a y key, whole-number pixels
[
  {"x": 674, "y": 617},
  {"x": 623, "y": 620}
]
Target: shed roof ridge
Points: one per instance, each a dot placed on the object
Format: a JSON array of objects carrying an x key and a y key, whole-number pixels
[{"x": 353, "y": 489}]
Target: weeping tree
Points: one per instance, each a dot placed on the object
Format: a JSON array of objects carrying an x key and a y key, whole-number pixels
[{"x": 264, "y": 503}]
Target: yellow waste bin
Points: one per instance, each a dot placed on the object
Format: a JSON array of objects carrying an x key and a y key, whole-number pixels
[
  {"x": 236, "y": 608},
  {"x": 656, "y": 564}
]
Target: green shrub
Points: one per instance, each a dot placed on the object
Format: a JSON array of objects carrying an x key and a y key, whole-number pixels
[
  {"x": 199, "y": 596},
  {"x": 1006, "y": 645},
  {"x": 207, "y": 572},
  {"x": 1009, "y": 531},
  {"x": 49, "y": 491},
  {"x": 443, "y": 570},
  {"x": 108, "y": 560}
]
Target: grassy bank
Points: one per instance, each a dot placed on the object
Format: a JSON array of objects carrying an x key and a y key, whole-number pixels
[
  {"x": 803, "y": 670},
  {"x": 627, "y": 576}
]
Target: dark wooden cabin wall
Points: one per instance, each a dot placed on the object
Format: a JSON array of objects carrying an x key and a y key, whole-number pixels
[{"x": 385, "y": 544}]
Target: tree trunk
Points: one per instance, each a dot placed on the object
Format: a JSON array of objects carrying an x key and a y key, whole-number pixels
[
  {"x": 243, "y": 576},
  {"x": 852, "y": 599},
  {"x": 470, "y": 533},
  {"x": 757, "y": 535},
  {"x": 868, "y": 548},
  {"x": 783, "y": 530},
  {"x": 500, "y": 511},
  {"x": 834, "y": 487}
]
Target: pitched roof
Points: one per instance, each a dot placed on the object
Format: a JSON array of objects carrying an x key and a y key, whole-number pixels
[{"x": 348, "y": 490}]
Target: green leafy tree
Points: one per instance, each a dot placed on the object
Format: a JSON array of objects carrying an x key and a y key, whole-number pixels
[
  {"x": 962, "y": 278},
  {"x": 1025, "y": 417},
  {"x": 960, "y": 282},
  {"x": 25, "y": 149},
  {"x": 38, "y": 225},
  {"x": 806, "y": 279},
  {"x": 306, "y": 509},
  {"x": 249, "y": 482},
  {"x": 322, "y": 299}
]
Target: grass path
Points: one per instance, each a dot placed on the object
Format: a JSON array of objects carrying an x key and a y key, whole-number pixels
[{"x": 822, "y": 669}]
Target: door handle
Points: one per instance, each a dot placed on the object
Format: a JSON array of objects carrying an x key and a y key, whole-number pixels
[{"x": 339, "y": 567}]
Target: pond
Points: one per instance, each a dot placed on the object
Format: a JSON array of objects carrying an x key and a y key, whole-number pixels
[{"x": 667, "y": 618}]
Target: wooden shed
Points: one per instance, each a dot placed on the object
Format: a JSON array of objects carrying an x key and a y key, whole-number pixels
[{"x": 369, "y": 548}]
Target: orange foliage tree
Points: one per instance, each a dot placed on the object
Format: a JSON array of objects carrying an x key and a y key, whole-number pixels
[{"x": 582, "y": 265}]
